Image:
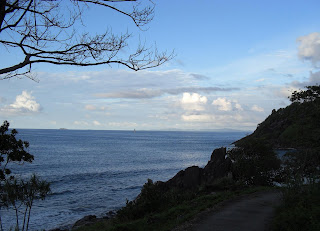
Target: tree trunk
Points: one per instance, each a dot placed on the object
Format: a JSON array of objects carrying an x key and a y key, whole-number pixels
[{"x": 2, "y": 11}]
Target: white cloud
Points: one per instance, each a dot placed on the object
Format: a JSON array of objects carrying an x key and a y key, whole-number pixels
[
  {"x": 257, "y": 108},
  {"x": 227, "y": 105},
  {"x": 24, "y": 104},
  {"x": 91, "y": 107},
  {"x": 223, "y": 104},
  {"x": 309, "y": 48},
  {"x": 238, "y": 106},
  {"x": 193, "y": 101},
  {"x": 96, "y": 123},
  {"x": 26, "y": 101},
  {"x": 193, "y": 98}
]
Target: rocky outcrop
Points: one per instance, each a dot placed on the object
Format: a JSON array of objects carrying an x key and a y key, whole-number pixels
[
  {"x": 218, "y": 166},
  {"x": 187, "y": 179},
  {"x": 91, "y": 219},
  {"x": 87, "y": 220}
]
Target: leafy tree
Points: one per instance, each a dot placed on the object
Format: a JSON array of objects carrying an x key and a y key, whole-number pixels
[
  {"x": 20, "y": 195},
  {"x": 15, "y": 192},
  {"x": 48, "y": 32},
  {"x": 12, "y": 150},
  {"x": 311, "y": 94},
  {"x": 255, "y": 163}
]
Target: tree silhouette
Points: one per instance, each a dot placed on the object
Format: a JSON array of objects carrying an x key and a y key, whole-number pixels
[
  {"x": 311, "y": 94},
  {"x": 12, "y": 150},
  {"x": 46, "y": 31},
  {"x": 15, "y": 192}
]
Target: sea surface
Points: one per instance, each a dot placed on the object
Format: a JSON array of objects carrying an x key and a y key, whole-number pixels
[{"x": 93, "y": 172}]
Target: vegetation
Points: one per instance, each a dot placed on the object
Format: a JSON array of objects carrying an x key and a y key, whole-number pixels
[
  {"x": 296, "y": 126},
  {"x": 159, "y": 211},
  {"x": 311, "y": 94},
  {"x": 255, "y": 163},
  {"x": 301, "y": 196},
  {"x": 16, "y": 192},
  {"x": 299, "y": 210}
]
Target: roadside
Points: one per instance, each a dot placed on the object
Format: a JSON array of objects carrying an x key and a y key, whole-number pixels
[{"x": 248, "y": 212}]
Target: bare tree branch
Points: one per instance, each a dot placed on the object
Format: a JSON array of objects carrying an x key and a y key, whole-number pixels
[{"x": 46, "y": 32}]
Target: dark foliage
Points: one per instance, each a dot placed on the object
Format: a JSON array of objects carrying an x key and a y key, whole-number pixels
[
  {"x": 255, "y": 163},
  {"x": 296, "y": 126},
  {"x": 302, "y": 167},
  {"x": 15, "y": 192},
  {"x": 311, "y": 94},
  {"x": 153, "y": 199},
  {"x": 12, "y": 150},
  {"x": 300, "y": 209}
]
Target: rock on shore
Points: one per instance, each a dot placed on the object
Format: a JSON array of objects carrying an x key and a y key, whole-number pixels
[{"x": 192, "y": 177}]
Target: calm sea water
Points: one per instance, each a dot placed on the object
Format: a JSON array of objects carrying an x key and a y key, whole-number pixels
[{"x": 93, "y": 172}]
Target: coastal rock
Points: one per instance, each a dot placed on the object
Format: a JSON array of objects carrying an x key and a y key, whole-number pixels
[
  {"x": 87, "y": 220},
  {"x": 218, "y": 166},
  {"x": 187, "y": 179},
  {"x": 110, "y": 215}
]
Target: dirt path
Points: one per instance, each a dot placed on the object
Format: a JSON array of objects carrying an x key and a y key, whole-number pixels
[{"x": 248, "y": 213}]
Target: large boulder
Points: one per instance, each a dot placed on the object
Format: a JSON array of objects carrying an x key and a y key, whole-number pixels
[
  {"x": 189, "y": 178},
  {"x": 218, "y": 166}
]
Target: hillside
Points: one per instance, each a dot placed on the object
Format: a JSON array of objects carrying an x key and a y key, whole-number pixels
[{"x": 296, "y": 126}]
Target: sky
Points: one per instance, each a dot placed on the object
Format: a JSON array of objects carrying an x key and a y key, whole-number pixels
[{"x": 235, "y": 61}]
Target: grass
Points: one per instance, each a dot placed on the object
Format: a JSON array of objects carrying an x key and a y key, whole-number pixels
[{"x": 169, "y": 216}]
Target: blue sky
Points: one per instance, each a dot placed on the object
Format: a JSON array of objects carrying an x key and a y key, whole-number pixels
[{"x": 235, "y": 62}]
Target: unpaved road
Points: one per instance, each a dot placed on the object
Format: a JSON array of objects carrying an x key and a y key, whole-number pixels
[{"x": 252, "y": 212}]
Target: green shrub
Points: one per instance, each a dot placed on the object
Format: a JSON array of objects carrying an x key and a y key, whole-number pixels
[{"x": 255, "y": 163}]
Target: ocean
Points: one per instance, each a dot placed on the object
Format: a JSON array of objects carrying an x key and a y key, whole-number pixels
[{"x": 93, "y": 172}]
